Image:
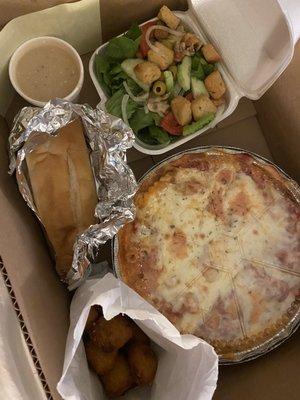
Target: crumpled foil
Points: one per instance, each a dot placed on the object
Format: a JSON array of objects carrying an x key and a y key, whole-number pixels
[{"x": 109, "y": 138}]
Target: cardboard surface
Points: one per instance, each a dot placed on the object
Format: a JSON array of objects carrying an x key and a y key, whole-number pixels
[
  {"x": 42, "y": 298},
  {"x": 117, "y": 15},
  {"x": 274, "y": 376},
  {"x": 13, "y": 8},
  {"x": 279, "y": 116},
  {"x": 24, "y": 381}
]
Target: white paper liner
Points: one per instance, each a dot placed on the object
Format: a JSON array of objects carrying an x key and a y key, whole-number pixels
[{"x": 187, "y": 366}]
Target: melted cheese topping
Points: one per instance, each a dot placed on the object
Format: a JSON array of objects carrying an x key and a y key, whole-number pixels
[{"x": 226, "y": 250}]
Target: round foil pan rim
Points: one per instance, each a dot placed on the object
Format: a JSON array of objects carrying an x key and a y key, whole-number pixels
[{"x": 292, "y": 326}]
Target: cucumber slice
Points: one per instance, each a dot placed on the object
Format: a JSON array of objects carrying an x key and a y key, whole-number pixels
[
  {"x": 128, "y": 67},
  {"x": 184, "y": 73},
  {"x": 198, "y": 87},
  {"x": 196, "y": 126},
  {"x": 169, "y": 80},
  {"x": 176, "y": 89}
]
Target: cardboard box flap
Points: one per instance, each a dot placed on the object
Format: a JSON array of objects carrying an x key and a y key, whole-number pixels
[
  {"x": 254, "y": 38},
  {"x": 42, "y": 299}
]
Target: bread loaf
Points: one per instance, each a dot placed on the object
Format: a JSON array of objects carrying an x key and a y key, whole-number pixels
[{"x": 64, "y": 190}]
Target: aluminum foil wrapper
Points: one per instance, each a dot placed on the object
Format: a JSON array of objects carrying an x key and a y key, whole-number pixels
[{"x": 109, "y": 138}]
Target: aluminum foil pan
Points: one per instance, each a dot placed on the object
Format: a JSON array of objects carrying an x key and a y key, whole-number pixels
[
  {"x": 291, "y": 325},
  {"x": 108, "y": 138}
]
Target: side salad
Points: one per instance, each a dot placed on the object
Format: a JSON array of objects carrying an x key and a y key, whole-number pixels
[{"x": 161, "y": 79}]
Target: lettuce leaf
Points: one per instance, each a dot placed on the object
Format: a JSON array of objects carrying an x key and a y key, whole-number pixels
[
  {"x": 209, "y": 68},
  {"x": 197, "y": 68},
  {"x": 133, "y": 86},
  {"x": 122, "y": 47},
  {"x": 158, "y": 135},
  {"x": 101, "y": 64},
  {"x": 141, "y": 120},
  {"x": 114, "y": 104},
  {"x": 153, "y": 135},
  {"x": 134, "y": 32},
  {"x": 107, "y": 66},
  {"x": 116, "y": 70}
]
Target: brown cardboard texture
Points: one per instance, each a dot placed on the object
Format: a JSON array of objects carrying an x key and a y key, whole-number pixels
[
  {"x": 42, "y": 299},
  {"x": 12, "y": 9},
  {"x": 29, "y": 272},
  {"x": 278, "y": 114}
]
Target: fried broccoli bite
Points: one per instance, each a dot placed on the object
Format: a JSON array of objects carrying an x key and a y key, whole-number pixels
[
  {"x": 143, "y": 362},
  {"x": 119, "y": 379},
  {"x": 99, "y": 360},
  {"x": 138, "y": 335},
  {"x": 92, "y": 318},
  {"x": 111, "y": 335}
]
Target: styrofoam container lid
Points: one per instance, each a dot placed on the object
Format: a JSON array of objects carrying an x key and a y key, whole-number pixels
[{"x": 254, "y": 37}]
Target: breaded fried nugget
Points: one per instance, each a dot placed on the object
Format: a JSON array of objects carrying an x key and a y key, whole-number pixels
[
  {"x": 99, "y": 360},
  {"x": 119, "y": 379},
  {"x": 113, "y": 334},
  {"x": 143, "y": 362},
  {"x": 139, "y": 335},
  {"x": 92, "y": 318}
]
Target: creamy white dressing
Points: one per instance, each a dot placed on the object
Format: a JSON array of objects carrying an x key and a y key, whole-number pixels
[{"x": 47, "y": 71}]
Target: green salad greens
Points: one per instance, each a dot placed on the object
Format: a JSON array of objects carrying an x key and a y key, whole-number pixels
[{"x": 161, "y": 81}]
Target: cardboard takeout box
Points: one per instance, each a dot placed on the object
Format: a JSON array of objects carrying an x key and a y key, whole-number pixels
[{"x": 43, "y": 302}]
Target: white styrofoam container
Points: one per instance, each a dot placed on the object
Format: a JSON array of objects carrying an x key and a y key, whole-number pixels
[{"x": 255, "y": 41}]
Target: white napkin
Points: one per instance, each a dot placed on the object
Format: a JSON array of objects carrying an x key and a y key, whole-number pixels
[{"x": 187, "y": 366}]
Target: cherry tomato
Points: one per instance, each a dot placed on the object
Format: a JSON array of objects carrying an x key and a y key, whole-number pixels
[
  {"x": 170, "y": 125},
  {"x": 178, "y": 56},
  {"x": 144, "y": 48},
  {"x": 189, "y": 97}
]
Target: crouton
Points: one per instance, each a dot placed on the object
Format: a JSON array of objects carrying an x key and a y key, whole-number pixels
[
  {"x": 191, "y": 42},
  {"x": 181, "y": 109},
  {"x": 202, "y": 106},
  {"x": 219, "y": 102},
  {"x": 164, "y": 57},
  {"x": 168, "y": 17},
  {"x": 179, "y": 56},
  {"x": 215, "y": 85},
  {"x": 210, "y": 53},
  {"x": 147, "y": 72}
]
